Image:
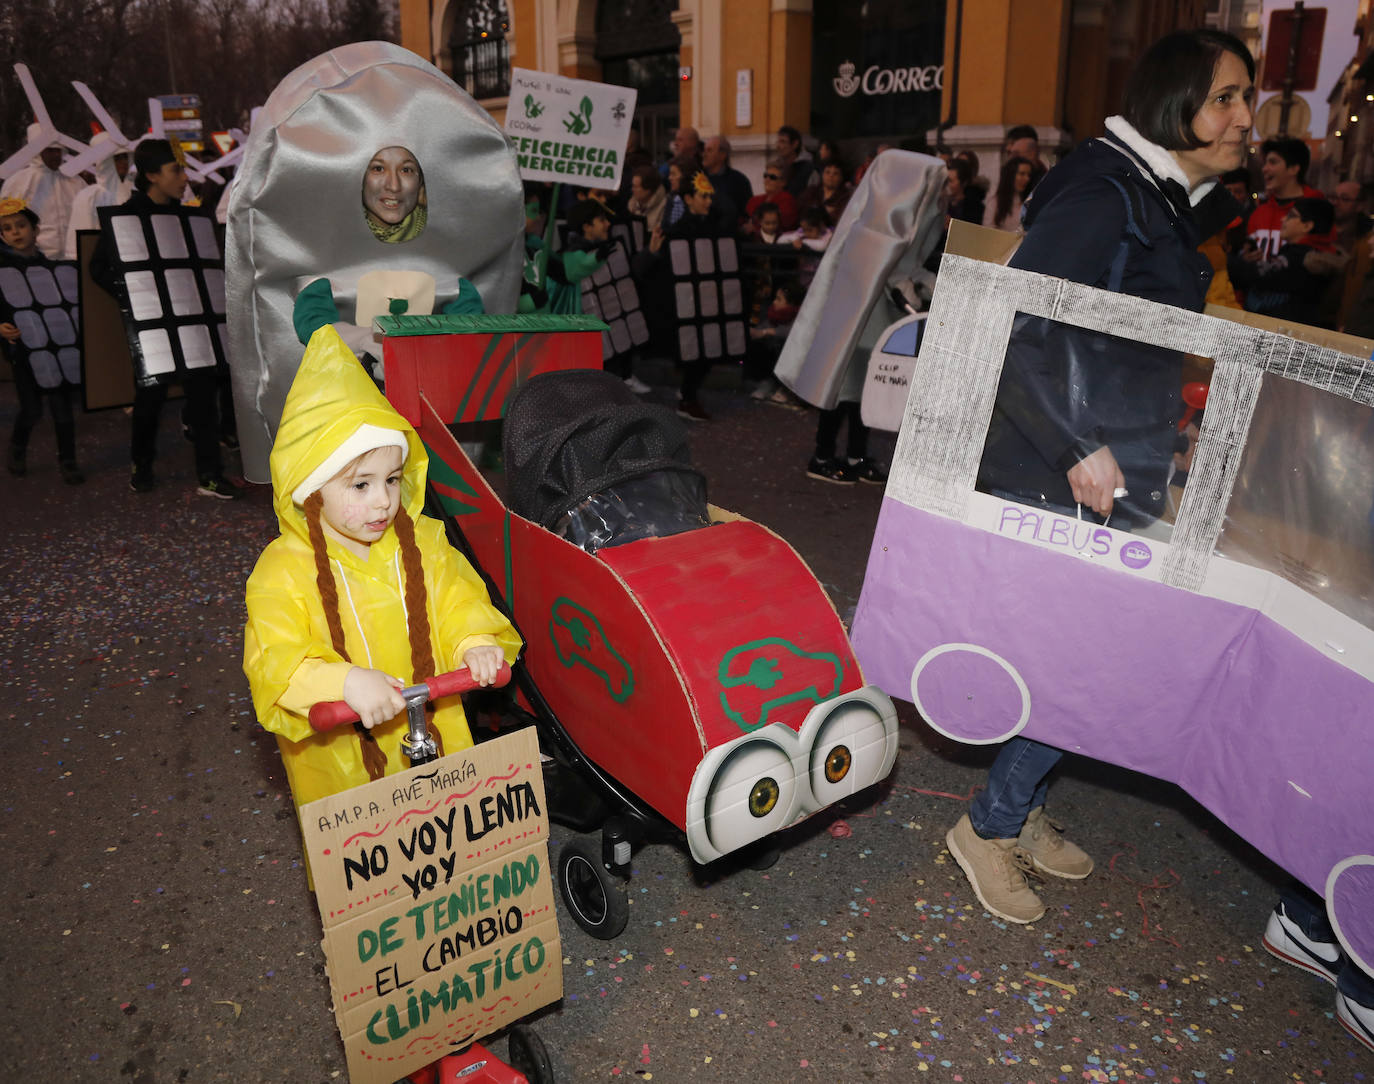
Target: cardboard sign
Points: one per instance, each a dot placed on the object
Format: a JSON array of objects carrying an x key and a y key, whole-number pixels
[
  {"x": 568, "y": 129},
  {"x": 436, "y": 896}
]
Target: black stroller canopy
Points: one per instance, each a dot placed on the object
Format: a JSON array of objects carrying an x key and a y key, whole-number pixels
[{"x": 569, "y": 435}]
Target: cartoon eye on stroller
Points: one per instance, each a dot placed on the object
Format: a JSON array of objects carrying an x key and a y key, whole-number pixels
[{"x": 689, "y": 677}]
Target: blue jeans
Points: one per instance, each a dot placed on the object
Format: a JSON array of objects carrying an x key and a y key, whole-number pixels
[{"x": 1017, "y": 782}]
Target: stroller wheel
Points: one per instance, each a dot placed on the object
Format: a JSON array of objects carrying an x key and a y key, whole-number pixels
[
  {"x": 527, "y": 1055},
  {"x": 594, "y": 897}
]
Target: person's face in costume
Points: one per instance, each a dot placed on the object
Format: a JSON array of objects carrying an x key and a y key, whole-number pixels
[
  {"x": 598, "y": 229},
  {"x": 19, "y": 233},
  {"x": 52, "y": 157},
  {"x": 1223, "y": 123},
  {"x": 361, "y": 501},
  {"x": 121, "y": 164},
  {"x": 391, "y": 185},
  {"x": 698, "y": 203}
]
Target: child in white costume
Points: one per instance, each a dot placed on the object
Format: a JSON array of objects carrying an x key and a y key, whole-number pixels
[{"x": 360, "y": 595}]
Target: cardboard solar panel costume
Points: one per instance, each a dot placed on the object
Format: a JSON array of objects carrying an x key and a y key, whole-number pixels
[
  {"x": 172, "y": 300},
  {"x": 610, "y": 294},
  {"x": 708, "y": 298},
  {"x": 43, "y": 298},
  {"x": 295, "y": 214}
]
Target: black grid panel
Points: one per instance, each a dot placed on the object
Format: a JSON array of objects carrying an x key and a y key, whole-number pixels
[
  {"x": 708, "y": 296},
  {"x": 173, "y": 304},
  {"x": 44, "y": 299},
  {"x": 609, "y": 294}
]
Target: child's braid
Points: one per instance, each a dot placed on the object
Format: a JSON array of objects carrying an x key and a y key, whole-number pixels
[
  {"x": 417, "y": 609},
  {"x": 374, "y": 760}
]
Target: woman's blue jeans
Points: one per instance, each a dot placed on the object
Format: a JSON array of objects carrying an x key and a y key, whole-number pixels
[{"x": 1017, "y": 782}]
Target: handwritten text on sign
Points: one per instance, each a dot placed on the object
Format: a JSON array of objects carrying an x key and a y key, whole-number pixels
[
  {"x": 437, "y": 902},
  {"x": 566, "y": 129}
]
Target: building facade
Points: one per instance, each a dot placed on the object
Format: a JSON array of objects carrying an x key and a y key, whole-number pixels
[{"x": 904, "y": 72}]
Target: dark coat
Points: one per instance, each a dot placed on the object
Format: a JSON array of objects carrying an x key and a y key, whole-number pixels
[{"x": 1102, "y": 219}]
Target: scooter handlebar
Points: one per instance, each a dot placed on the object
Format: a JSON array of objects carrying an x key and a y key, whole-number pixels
[{"x": 328, "y": 714}]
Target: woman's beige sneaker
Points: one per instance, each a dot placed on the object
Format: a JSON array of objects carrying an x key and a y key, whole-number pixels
[
  {"x": 996, "y": 868},
  {"x": 1043, "y": 839}
]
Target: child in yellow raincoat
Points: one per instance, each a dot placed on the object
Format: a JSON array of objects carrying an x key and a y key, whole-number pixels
[{"x": 360, "y": 595}]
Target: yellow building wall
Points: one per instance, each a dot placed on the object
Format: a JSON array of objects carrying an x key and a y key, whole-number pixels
[
  {"x": 747, "y": 46},
  {"x": 1011, "y": 62}
]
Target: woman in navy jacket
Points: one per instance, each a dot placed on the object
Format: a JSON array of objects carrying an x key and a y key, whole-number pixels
[{"x": 1086, "y": 423}]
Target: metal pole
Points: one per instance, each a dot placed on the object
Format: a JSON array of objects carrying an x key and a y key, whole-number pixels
[{"x": 1291, "y": 71}]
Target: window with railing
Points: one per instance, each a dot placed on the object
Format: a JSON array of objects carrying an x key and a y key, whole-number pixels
[{"x": 478, "y": 49}]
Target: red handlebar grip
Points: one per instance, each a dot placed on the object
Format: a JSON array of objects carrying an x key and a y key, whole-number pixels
[
  {"x": 460, "y": 681},
  {"x": 328, "y": 714}
]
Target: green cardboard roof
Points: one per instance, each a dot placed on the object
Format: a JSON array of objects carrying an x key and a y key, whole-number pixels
[{"x": 523, "y": 324}]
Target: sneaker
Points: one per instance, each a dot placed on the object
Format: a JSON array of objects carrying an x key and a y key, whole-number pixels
[
  {"x": 15, "y": 463},
  {"x": 763, "y": 389},
  {"x": 870, "y": 471},
  {"x": 218, "y": 487},
  {"x": 71, "y": 473},
  {"x": 1284, "y": 940},
  {"x": 692, "y": 411},
  {"x": 1043, "y": 839},
  {"x": 830, "y": 470},
  {"x": 141, "y": 481},
  {"x": 996, "y": 868},
  {"x": 1355, "y": 1016},
  {"x": 636, "y": 385}
]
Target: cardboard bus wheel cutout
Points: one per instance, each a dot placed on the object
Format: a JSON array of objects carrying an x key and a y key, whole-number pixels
[
  {"x": 1228, "y": 646},
  {"x": 296, "y": 211}
]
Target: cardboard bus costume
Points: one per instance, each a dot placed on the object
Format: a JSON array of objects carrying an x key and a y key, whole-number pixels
[
  {"x": 1232, "y": 647},
  {"x": 295, "y": 213}
]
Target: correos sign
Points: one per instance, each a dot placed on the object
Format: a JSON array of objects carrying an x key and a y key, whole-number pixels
[{"x": 876, "y": 80}]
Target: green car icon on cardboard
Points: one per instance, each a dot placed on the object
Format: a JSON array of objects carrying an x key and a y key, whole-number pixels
[
  {"x": 766, "y": 674},
  {"x": 579, "y": 639}
]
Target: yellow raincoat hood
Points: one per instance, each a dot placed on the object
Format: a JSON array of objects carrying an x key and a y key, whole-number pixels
[
  {"x": 288, "y": 656},
  {"x": 329, "y": 399}
]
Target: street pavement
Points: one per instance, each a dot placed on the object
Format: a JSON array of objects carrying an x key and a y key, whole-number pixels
[{"x": 158, "y": 927}]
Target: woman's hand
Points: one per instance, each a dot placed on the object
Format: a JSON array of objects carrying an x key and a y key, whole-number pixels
[
  {"x": 1095, "y": 480},
  {"x": 375, "y": 696},
  {"x": 483, "y": 662},
  {"x": 656, "y": 239},
  {"x": 10, "y": 333}
]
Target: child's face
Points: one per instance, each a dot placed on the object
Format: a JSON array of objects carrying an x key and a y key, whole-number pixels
[
  {"x": 780, "y": 299},
  {"x": 769, "y": 222},
  {"x": 18, "y": 232},
  {"x": 362, "y": 499},
  {"x": 598, "y": 229},
  {"x": 810, "y": 230},
  {"x": 1292, "y": 228}
]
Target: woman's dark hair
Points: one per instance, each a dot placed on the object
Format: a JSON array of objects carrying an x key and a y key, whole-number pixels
[
  {"x": 685, "y": 167},
  {"x": 1170, "y": 83},
  {"x": 962, "y": 167},
  {"x": 649, "y": 179},
  {"x": 1006, "y": 185}
]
